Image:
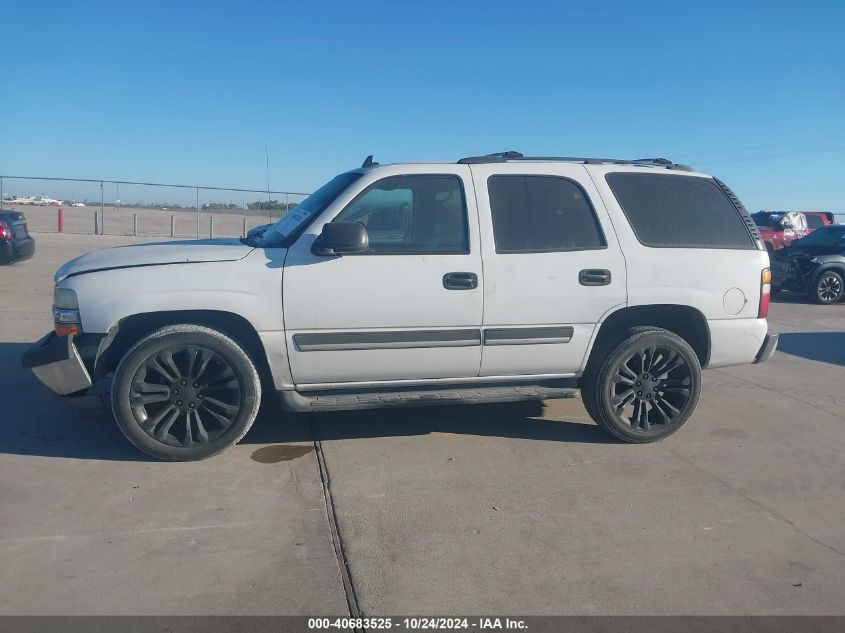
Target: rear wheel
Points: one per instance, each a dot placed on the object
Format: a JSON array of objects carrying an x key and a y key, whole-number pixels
[
  {"x": 828, "y": 288},
  {"x": 644, "y": 387},
  {"x": 185, "y": 392}
]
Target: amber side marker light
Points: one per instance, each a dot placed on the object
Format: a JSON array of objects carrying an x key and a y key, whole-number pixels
[
  {"x": 65, "y": 329},
  {"x": 765, "y": 293}
]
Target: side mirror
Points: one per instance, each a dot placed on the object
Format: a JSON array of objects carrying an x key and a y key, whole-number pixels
[{"x": 340, "y": 238}]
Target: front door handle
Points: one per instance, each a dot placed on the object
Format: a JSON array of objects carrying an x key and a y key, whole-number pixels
[
  {"x": 460, "y": 281},
  {"x": 594, "y": 277}
]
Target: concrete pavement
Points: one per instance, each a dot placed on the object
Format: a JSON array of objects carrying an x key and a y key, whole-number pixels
[
  {"x": 90, "y": 526},
  {"x": 519, "y": 508}
]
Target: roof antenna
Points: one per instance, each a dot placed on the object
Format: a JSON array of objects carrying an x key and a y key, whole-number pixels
[{"x": 368, "y": 162}]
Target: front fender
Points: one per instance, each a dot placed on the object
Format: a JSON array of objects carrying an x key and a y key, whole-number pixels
[{"x": 249, "y": 288}]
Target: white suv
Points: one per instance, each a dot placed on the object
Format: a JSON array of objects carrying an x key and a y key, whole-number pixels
[{"x": 496, "y": 278}]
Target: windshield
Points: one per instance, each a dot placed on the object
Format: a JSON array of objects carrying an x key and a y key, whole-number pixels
[
  {"x": 306, "y": 210},
  {"x": 826, "y": 238}
]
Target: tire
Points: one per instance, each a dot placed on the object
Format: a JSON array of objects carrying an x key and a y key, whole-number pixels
[
  {"x": 162, "y": 393},
  {"x": 642, "y": 404},
  {"x": 828, "y": 288}
]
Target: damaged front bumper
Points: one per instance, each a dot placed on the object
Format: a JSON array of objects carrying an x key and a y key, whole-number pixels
[{"x": 56, "y": 362}]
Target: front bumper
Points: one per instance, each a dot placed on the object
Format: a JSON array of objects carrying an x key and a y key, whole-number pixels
[
  {"x": 55, "y": 361},
  {"x": 770, "y": 344}
]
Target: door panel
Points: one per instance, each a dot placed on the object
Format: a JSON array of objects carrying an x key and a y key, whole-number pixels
[
  {"x": 544, "y": 294},
  {"x": 385, "y": 316}
]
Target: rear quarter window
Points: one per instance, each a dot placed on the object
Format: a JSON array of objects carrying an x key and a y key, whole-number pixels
[{"x": 671, "y": 211}]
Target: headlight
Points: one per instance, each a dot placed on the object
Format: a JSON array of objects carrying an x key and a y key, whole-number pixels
[
  {"x": 816, "y": 260},
  {"x": 66, "y": 312},
  {"x": 65, "y": 298}
]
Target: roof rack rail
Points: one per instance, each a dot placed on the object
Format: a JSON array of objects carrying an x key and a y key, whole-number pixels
[
  {"x": 503, "y": 157},
  {"x": 498, "y": 157}
]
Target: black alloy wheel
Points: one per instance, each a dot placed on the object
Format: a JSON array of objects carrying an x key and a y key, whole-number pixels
[
  {"x": 651, "y": 387},
  {"x": 828, "y": 288},
  {"x": 185, "y": 392},
  {"x": 185, "y": 395},
  {"x": 642, "y": 385}
]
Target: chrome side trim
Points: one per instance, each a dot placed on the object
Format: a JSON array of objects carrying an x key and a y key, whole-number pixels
[
  {"x": 333, "y": 341},
  {"x": 413, "y": 382},
  {"x": 528, "y": 335}
]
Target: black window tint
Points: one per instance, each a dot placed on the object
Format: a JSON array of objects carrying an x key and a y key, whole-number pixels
[
  {"x": 412, "y": 214},
  {"x": 541, "y": 213},
  {"x": 679, "y": 211},
  {"x": 762, "y": 219},
  {"x": 814, "y": 221}
]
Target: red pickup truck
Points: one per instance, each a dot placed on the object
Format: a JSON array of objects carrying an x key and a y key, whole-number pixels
[{"x": 780, "y": 228}]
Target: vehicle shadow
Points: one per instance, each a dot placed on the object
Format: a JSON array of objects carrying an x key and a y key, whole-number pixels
[
  {"x": 517, "y": 420},
  {"x": 825, "y": 347},
  {"x": 33, "y": 421},
  {"x": 786, "y": 296}
]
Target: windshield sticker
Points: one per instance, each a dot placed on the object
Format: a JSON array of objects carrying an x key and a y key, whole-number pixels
[{"x": 291, "y": 221}]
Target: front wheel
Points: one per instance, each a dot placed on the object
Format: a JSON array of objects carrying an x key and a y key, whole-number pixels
[
  {"x": 185, "y": 393},
  {"x": 646, "y": 387},
  {"x": 828, "y": 288}
]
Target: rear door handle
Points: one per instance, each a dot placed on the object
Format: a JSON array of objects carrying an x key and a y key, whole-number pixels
[
  {"x": 594, "y": 277},
  {"x": 460, "y": 281}
]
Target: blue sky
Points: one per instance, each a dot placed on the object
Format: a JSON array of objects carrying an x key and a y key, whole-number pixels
[{"x": 191, "y": 92}]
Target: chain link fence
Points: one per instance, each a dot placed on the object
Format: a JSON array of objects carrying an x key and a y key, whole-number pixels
[{"x": 112, "y": 207}]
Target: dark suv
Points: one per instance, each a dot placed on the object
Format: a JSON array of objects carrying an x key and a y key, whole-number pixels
[
  {"x": 15, "y": 242},
  {"x": 814, "y": 264}
]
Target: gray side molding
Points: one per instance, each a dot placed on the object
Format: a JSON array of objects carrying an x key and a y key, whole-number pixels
[
  {"x": 528, "y": 335},
  {"x": 330, "y": 341}
]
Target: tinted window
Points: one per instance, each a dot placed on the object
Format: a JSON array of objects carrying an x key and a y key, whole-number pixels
[
  {"x": 541, "y": 213},
  {"x": 412, "y": 214},
  {"x": 814, "y": 221},
  {"x": 762, "y": 219},
  {"x": 679, "y": 211}
]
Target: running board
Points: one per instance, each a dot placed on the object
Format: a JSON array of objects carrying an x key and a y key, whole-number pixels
[{"x": 377, "y": 398}]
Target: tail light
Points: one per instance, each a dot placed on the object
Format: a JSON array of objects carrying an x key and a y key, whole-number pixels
[
  {"x": 765, "y": 293},
  {"x": 5, "y": 231}
]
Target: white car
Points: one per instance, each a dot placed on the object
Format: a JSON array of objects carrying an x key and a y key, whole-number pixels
[
  {"x": 78, "y": 204},
  {"x": 496, "y": 278}
]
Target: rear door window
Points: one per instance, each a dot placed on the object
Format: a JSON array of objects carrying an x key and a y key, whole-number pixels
[
  {"x": 541, "y": 213},
  {"x": 667, "y": 210}
]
